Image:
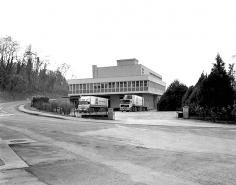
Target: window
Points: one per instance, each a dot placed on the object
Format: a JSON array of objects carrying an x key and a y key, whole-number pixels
[
  {"x": 70, "y": 87},
  {"x": 113, "y": 85},
  {"x": 106, "y": 85},
  {"x": 91, "y": 88},
  {"x": 129, "y": 97},
  {"x": 129, "y": 84},
  {"x": 117, "y": 84},
  {"x": 125, "y": 84},
  {"x": 102, "y": 87},
  {"x": 121, "y": 86},
  {"x": 133, "y": 83},
  {"x": 80, "y": 88},
  {"x": 77, "y": 86},
  {"x": 141, "y": 83},
  {"x": 137, "y": 85},
  {"x": 84, "y": 88},
  {"x": 145, "y": 83},
  {"x": 87, "y": 87},
  {"x": 98, "y": 86}
]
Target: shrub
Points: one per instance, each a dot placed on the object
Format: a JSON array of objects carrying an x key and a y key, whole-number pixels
[
  {"x": 66, "y": 106},
  {"x": 46, "y": 107},
  {"x": 37, "y": 101}
]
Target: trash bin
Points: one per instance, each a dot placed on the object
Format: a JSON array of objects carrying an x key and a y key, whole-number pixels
[
  {"x": 179, "y": 114},
  {"x": 186, "y": 112},
  {"x": 111, "y": 114}
]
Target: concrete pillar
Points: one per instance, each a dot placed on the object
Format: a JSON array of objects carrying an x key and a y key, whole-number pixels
[
  {"x": 115, "y": 101},
  {"x": 148, "y": 101},
  {"x": 155, "y": 100}
]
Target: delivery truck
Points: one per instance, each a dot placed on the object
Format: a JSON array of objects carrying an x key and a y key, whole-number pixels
[
  {"x": 132, "y": 103},
  {"x": 92, "y": 104}
]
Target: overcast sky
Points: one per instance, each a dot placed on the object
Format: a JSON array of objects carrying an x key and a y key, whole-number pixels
[{"x": 178, "y": 39}]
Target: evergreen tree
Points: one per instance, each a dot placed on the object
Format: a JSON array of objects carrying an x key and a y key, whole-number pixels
[
  {"x": 185, "y": 99},
  {"x": 193, "y": 97},
  {"x": 231, "y": 74},
  {"x": 216, "y": 92},
  {"x": 172, "y": 98}
]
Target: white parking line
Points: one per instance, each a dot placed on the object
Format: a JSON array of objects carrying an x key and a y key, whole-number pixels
[
  {"x": 196, "y": 129},
  {"x": 232, "y": 130},
  {"x": 216, "y": 130},
  {"x": 6, "y": 115}
]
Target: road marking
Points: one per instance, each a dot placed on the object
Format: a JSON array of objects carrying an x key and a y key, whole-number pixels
[
  {"x": 216, "y": 130},
  {"x": 232, "y": 130},
  {"x": 19, "y": 141},
  {"x": 6, "y": 114},
  {"x": 196, "y": 129}
]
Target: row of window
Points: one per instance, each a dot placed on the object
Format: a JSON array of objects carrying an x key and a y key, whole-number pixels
[
  {"x": 110, "y": 87},
  {"x": 156, "y": 87}
]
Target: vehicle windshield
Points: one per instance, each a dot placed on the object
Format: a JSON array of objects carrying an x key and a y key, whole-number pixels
[
  {"x": 125, "y": 101},
  {"x": 129, "y": 97},
  {"x": 83, "y": 102}
]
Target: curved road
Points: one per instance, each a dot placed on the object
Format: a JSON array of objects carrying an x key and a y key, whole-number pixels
[{"x": 78, "y": 152}]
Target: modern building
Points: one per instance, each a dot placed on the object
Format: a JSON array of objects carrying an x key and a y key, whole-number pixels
[{"x": 113, "y": 82}]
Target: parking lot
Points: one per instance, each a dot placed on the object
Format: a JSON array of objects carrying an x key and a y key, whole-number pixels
[
  {"x": 168, "y": 118},
  {"x": 146, "y": 115}
]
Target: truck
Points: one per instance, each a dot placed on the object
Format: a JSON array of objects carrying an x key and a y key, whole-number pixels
[
  {"x": 92, "y": 104},
  {"x": 132, "y": 103}
]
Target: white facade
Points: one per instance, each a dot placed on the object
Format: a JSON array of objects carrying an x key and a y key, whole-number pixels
[{"x": 128, "y": 77}]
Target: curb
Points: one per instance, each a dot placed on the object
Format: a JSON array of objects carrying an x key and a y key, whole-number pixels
[{"x": 22, "y": 109}]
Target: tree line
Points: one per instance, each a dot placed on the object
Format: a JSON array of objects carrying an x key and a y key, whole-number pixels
[
  {"x": 213, "y": 97},
  {"x": 27, "y": 72}
]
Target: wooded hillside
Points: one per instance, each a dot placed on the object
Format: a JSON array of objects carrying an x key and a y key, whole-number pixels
[{"x": 27, "y": 72}]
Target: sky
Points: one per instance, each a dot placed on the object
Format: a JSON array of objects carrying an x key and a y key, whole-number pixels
[{"x": 178, "y": 39}]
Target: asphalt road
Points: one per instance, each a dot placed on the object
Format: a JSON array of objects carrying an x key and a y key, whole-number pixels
[{"x": 140, "y": 148}]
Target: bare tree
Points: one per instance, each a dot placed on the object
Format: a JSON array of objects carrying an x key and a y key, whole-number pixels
[{"x": 8, "y": 56}]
